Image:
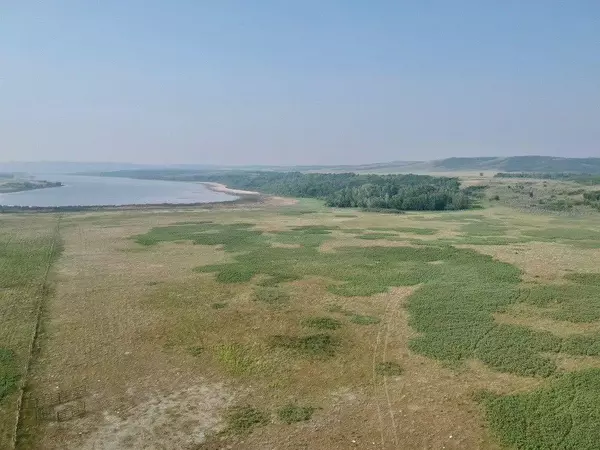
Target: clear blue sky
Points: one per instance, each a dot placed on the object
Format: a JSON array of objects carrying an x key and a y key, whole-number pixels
[{"x": 288, "y": 82}]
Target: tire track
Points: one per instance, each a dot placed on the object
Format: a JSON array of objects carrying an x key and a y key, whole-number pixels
[
  {"x": 384, "y": 359},
  {"x": 571, "y": 422},
  {"x": 35, "y": 334},
  {"x": 8, "y": 241},
  {"x": 482, "y": 337},
  {"x": 374, "y": 371}
]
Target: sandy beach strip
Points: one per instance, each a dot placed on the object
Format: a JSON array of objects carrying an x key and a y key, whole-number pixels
[{"x": 218, "y": 187}]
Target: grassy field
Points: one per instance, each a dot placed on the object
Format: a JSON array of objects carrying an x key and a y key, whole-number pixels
[
  {"x": 301, "y": 326},
  {"x": 27, "y": 250}
]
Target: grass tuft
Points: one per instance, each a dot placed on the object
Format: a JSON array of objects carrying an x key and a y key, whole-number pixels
[
  {"x": 235, "y": 358},
  {"x": 195, "y": 350}
]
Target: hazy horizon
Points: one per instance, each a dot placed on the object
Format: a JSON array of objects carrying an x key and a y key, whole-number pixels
[{"x": 234, "y": 83}]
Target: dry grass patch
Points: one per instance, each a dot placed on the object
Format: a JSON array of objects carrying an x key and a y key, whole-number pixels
[
  {"x": 534, "y": 317},
  {"x": 543, "y": 261}
]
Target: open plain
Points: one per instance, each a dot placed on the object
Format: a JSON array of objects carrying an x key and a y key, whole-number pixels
[{"x": 289, "y": 326}]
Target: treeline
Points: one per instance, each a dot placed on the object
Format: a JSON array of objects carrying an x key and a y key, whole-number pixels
[
  {"x": 391, "y": 192},
  {"x": 582, "y": 178}
]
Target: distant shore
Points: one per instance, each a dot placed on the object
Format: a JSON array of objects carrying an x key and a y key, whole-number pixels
[{"x": 12, "y": 186}]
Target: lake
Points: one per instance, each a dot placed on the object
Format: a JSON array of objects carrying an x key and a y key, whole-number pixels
[{"x": 100, "y": 191}]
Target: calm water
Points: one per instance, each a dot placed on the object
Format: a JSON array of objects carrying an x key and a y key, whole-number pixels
[{"x": 97, "y": 191}]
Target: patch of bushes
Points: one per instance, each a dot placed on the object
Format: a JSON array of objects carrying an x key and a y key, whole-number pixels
[
  {"x": 233, "y": 237},
  {"x": 292, "y": 413},
  {"x": 233, "y": 275},
  {"x": 242, "y": 419},
  {"x": 563, "y": 415},
  {"x": 574, "y": 302},
  {"x": 582, "y": 345},
  {"x": 320, "y": 345}
]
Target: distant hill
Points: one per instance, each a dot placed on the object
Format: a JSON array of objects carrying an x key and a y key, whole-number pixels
[
  {"x": 548, "y": 164},
  {"x": 65, "y": 166},
  {"x": 522, "y": 164}
]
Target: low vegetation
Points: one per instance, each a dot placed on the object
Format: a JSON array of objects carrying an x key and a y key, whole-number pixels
[{"x": 453, "y": 310}]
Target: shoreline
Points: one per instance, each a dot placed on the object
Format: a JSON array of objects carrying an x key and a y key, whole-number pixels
[
  {"x": 239, "y": 198},
  {"x": 248, "y": 200}
]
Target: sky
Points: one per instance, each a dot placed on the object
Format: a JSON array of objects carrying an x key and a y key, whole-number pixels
[{"x": 297, "y": 82}]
